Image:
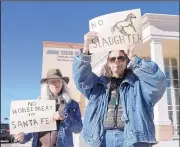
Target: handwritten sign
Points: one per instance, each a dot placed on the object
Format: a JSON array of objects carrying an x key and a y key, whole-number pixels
[
  {"x": 116, "y": 30},
  {"x": 32, "y": 116}
]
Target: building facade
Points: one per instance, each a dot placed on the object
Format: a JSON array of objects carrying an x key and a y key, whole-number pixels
[{"x": 160, "y": 34}]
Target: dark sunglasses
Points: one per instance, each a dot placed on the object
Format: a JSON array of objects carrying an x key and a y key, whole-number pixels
[{"x": 120, "y": 59}]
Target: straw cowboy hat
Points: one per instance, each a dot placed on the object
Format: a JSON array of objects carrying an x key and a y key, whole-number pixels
[{"x": 54, "y": 74}]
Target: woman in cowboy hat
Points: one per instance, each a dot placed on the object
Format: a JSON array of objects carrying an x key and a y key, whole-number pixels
[{"x": 68, "y": 115}]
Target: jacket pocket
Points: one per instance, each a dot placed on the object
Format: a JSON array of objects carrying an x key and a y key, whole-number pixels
[
  {"x": 133, "y": 99},
  {"x": 133, "y": 114},
  {"x": 135, "y": 125},
  {"x": 87, "y": 136}
]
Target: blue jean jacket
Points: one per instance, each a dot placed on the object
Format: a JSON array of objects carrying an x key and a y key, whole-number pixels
[
  {"x": 72, "y": 123},
  {"x": 142, "y": 88}
]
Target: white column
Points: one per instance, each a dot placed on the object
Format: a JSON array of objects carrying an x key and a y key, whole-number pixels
[
  {"x": 78, "y": 141},
  {"x": 161, "y": 108}
]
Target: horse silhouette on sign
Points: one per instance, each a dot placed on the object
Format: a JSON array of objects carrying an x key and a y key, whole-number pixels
[{"x": 120, "y": 25}]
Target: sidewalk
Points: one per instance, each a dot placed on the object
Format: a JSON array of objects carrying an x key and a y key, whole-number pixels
[
  {"x": 168, "y": 144},
  {"x": 78, "y": 142},
  {"x": 161, "y": 144}
]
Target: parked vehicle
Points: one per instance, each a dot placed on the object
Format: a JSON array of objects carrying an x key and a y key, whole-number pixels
[{"x": 5, "y": 134}]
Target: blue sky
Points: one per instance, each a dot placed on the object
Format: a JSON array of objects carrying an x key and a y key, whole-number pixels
[{"x": 25, "y": 25}]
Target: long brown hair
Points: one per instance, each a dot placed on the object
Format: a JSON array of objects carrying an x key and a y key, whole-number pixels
[{"x": 106, "y": 70}]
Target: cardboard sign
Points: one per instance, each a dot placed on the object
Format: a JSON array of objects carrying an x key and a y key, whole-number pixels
[
  {"x": 116, "y": 31},
  {"x": 32, "y": 116}
]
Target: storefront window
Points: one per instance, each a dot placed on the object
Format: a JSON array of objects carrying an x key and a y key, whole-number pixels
[
  {"x": 173, "y": 62},
  {"x": 167, "y": 72},
  {"x": 168, "y": 83},
  {"x": 177, "y": 96},
  {"x": 173, "y": 92},
  {"x": 177, "y": 114},
  {"x": 171, "y": 116},
  {"x": 174, "y": 73},
  {"x": 166, "y": 62},
  {"x": 169, "y": 97},
  {"x": 177, "y": 107},
  {"x": 175, "y": 84},
  {"x": 178, "y": 130}
]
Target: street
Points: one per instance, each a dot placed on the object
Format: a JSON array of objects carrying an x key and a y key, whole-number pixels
[{"x": 7, "y": 144}]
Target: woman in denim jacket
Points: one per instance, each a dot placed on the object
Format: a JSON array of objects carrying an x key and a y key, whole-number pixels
[
  {"x": 120, "y": 108},
  {"x": 68, "y": 115}
]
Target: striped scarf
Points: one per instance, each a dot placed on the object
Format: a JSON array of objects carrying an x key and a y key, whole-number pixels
[{"x": 49, "y": 138}]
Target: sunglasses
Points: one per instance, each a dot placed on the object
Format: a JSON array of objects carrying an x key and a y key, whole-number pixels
[{"x": 120, "y": 59}]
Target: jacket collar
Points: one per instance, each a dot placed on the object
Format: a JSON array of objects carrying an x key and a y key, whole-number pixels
[{"x": 130, "y": 79}]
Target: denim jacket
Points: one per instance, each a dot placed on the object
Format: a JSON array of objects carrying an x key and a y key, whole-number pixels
[
  {"x": 72, "y": 123},
  {"x": 142, "y": 88}
]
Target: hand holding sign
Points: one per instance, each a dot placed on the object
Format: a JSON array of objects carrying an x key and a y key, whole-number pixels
[
  {"x": 89, "y": 38},
  {"x": 57, "y": 116},
  {"x": 130, "y": 51},
  {"x": 20, "y": 137}
]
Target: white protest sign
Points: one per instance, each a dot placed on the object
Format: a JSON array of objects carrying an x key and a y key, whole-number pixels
[
  {"x": 116, "y": 30},
  {"x": 32, "y": 116}
]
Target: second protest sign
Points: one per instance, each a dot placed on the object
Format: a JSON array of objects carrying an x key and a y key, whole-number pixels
[{"x": 32, "y": 116}]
